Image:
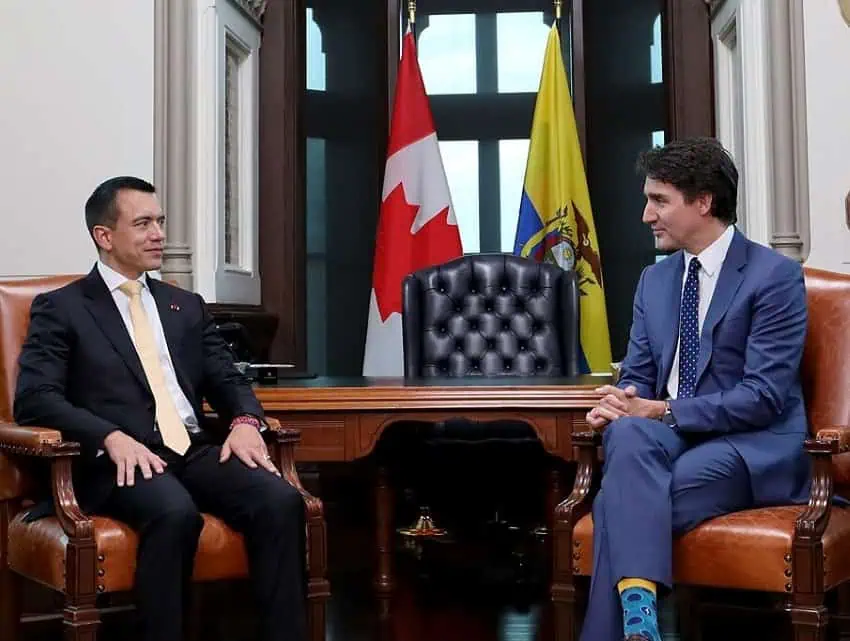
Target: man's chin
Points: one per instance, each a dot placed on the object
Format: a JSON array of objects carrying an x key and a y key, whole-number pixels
[{"x": 153, "y": 265}]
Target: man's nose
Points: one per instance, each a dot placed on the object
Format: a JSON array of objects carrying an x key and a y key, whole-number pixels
[{"x": 649, "y": 215}]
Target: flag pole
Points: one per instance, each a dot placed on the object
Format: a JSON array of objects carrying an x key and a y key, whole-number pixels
[
  {"x": 558, "y": 4},
  {"x": 411, "y": 13}
]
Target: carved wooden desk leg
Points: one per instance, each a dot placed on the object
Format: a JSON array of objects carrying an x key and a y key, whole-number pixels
[{"x": 384, "y": 579}]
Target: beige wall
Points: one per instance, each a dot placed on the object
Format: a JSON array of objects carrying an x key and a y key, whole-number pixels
[
  {"x": 76, "y": 106},
  {"x": 827, "y": 51}
]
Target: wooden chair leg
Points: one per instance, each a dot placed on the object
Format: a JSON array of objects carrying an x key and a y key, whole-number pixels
[
  {"x": 318, "y": 587},
  {"x": 10, "y": 583},
  {"x": 10, "y": 604},
  {"x": 809, "y": 622},
  {"x": 565, "y": 608},
  {"x": 81, "y": 618}
]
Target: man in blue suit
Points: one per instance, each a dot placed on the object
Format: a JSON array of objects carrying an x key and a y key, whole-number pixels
[{"x": 707, "y": 417}]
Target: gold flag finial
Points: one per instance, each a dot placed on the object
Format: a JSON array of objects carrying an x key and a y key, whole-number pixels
[
  {"x": 411, "y": 11},
  {"x": 558, "y": 4}
]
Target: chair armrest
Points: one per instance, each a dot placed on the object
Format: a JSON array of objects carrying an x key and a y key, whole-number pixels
[
  {"x": 285, "y": 440},
  {"x": 35, "y": 441},
  {"x": 838, "y": 435},
  {"x": 576, "y": 505},
  {"x": 814, "y": 519},
  {"x": 43, "y": 442}
]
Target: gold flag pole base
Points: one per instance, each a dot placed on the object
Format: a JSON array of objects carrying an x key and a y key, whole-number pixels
[{"x": 423, "y": 528}]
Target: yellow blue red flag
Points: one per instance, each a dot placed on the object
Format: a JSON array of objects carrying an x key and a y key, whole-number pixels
[{"x": 555, "y": 218}]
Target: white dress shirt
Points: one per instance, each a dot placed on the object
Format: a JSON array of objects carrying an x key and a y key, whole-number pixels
[
  {"x": 710, "y": 260},
  {"x": 113, "y": 281}
]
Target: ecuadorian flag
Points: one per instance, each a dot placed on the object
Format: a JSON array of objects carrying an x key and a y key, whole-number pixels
[{"x": 555, "y": 219}]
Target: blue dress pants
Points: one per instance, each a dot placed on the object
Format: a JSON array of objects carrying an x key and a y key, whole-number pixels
[{"x": 656, "y": 484}]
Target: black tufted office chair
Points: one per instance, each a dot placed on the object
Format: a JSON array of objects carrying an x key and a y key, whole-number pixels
[
  {"x": 491, "y": 315},
  {"x": 488, "y": 315}
]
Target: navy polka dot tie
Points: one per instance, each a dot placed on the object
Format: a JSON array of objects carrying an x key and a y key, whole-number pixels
[{"x": 689, "y": 332}]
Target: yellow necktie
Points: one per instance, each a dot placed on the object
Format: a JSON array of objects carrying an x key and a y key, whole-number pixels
[{"x": 171, "y": 426}]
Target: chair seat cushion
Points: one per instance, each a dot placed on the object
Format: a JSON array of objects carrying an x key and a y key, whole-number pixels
[
  {"x": 37, "y": 551},
  {"x": 748, "y": 550}
]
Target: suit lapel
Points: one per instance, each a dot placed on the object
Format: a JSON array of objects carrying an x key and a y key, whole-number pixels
[
  {"x": 171, "y": 319},
  {"x": 729, "y": 280},
  {"x": 672, "y": 297},
  {"x": 102, "y": 307}
]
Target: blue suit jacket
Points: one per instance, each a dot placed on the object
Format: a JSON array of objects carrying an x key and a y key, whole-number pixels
[{"x": 748, "y": 375}]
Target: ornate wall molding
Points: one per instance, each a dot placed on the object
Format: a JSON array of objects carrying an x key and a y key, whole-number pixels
[
  {"x": 254, "y": 9},
  {"x": 173, "y": 138}
]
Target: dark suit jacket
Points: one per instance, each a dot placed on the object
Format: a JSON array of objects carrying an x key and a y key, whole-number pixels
[
  {"x": 748, "y": 387},
  {"x": 80, "y": 373}
]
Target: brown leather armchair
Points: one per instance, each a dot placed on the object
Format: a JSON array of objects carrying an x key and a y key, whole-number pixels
[
  {"x": 796, "y": 554},
  {"x": 83, "y": 556}
]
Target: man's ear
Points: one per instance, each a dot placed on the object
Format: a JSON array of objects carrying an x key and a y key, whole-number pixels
[
  {"x": 102, "y": 237},
  {"x": 704, "y": 203}
]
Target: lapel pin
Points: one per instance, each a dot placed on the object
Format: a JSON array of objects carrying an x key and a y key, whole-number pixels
[{"x": 175, "y": 308}]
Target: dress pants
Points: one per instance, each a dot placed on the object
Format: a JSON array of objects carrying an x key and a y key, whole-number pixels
[
  {"x": 656, "y": 484},
  {"x": 165, "y": 511}
]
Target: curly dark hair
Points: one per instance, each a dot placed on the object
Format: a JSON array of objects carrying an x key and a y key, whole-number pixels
[{"x": 696, "y": 166}]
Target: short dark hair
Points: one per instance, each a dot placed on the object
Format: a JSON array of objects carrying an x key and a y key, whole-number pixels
[
  {"x": 696, "y": 166},
  {"x": 101, "y": 207}
]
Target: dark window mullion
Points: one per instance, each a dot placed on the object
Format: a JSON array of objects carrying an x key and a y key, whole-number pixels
[{"x": 487, "y": 83}]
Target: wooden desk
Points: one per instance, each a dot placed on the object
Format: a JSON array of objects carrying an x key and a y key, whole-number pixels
[{"x": 341, "y": 419}]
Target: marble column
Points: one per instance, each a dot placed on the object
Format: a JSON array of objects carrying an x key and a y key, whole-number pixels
[
  {"x": 790, "y": 218},
  {"x": 173, "y": 138}
]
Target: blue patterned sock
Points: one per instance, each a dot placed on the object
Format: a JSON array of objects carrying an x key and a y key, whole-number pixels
[{"x": 640, "y": 613}]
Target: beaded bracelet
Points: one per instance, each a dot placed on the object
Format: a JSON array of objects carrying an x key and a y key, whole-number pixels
[{"x": 246, "y": 418}]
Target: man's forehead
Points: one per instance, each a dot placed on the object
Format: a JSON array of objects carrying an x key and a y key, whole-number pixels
[
  {"x": 139, "y": 203},
  {"x": 653, "y": 186}
]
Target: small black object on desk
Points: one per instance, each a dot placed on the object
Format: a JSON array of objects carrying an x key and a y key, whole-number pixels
[{"x": 271, "y": 373}]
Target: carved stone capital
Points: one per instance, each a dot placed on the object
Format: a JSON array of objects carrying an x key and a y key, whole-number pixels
[{"x": 254, "y": 9}]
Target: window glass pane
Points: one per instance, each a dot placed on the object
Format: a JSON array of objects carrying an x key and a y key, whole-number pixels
[
  {"x": 655, "y": 53},
  {"x": 512, "y": 158},
  {"x": 315, "y": 56},
  {"x": 233, "y": 59},
  {"x": 521, "y": 42},
  {"x": 446, "y": 51},
  {"x": 460, "y": 158},
  {"x": 658, "y": 138}
]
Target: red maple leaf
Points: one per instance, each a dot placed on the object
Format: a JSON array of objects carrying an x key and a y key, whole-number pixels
[{"x": 399, "y": 252}]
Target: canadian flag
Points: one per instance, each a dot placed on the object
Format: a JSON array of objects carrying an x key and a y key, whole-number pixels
[{"x": 416, "y": 226}]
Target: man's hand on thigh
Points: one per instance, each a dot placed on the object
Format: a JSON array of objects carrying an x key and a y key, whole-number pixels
[
  {"x": 127, "y": 454},
  {"x": 246, "y": 443}
]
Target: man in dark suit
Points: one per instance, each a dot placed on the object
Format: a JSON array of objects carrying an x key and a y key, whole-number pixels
[
  {"x": 122, "y": 362},
  {"x": 707, "y": 417}
]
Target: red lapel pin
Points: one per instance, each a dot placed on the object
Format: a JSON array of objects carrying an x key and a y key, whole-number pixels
[{"x": 175, "y": 308}]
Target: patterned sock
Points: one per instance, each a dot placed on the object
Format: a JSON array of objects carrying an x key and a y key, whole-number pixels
[{"x": 640, "y": 612}]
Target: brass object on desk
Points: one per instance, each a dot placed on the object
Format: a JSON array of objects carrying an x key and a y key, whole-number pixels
[{"x": 424, "y": 526}]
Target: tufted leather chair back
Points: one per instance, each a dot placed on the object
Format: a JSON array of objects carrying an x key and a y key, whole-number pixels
[
  {"x": 15, "y": 301},
  {"x": 491, "y": 315},
  {"x": 826, "y": 359}
]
